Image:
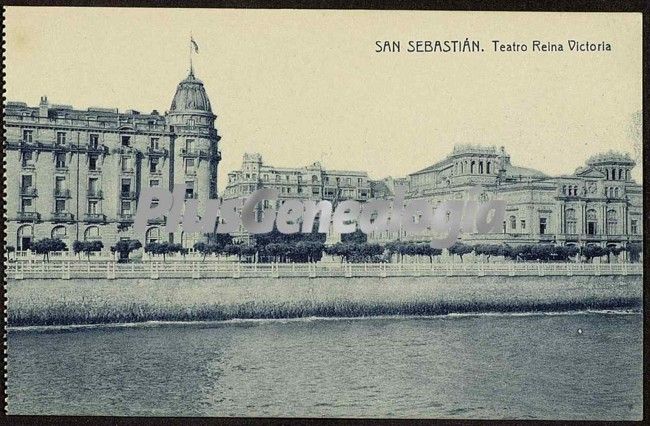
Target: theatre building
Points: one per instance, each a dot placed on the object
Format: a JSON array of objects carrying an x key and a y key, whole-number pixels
[
  {"x": 597, "y": 204},
  {"x": 77, "y": 174}
]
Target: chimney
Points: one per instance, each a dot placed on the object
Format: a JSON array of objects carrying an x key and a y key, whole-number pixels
[{"x": 43, "y": 107}]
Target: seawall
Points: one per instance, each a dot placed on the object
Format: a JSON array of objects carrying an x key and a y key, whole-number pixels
[{"x": 79, "y": 301}]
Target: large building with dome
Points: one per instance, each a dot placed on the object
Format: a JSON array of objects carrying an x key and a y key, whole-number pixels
[
  {"x": 76, "y": 174},
  {"x": 598, "y": 204}
]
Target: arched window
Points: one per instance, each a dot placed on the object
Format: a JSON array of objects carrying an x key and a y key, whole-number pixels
[
  {"x": 59, "y": 232},
  {"x": 91, "y": 233},
  {"x": 570, "y": 221},
  {"x": 612, "y": 222},
  {"x": 189, "y": 239},
  {"x": 152, "y": 235},
  {"x": 620, "y": 174},
  {"x": 24, "y": 237},
  {"x": 591, "y": 222},
  {"x": 615, "y": 192},
  {"x": 513, "y": 223},
  {"x": 471, "y": 167},
  {"x": 480, "y": 167},
  {"x": 607, "y": 174}
]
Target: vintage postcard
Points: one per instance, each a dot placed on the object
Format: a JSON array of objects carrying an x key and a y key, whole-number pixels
[{"x": 323, "y": 213}]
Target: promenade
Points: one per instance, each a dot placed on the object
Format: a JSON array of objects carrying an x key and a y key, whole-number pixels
[{"x": 197, "y": 269}]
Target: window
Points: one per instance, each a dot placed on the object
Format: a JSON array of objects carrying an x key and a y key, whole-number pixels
[
  {"x": 26, "y": 182},
  {"x": 348, "y": 181},
  {"x": 60, "y": 160},
  {"x": 93, "y": 185},
  {"x": 26, "y": 205},
  {"x": 59, "y": 184},
  {"x": 91, "y": 233},
  {"x": 93, "y": 141},
  {"x": 488, "y": 167},
  {"x": 570, "y": 221},
  {"x": 189, "y": 189},
  {"x": 59, "y": 206},
  {"x": 152, "y": 235},
  {"x": 634, "y": 226},
  {"x": 153, "y": 143},
  {"x": 189, "y": 165},
  {"x": 92, "y": 163},
  {"x": 28, "y": 136},
  {"x": 28, "y": 158},
  {"x": 59, "y": 232},
  {"x": 126, "y": 140},
  {"x": 125, "y": 208},
  {"x": 513, "y": 223},
  {"x": 126, "y": 164},
  {"x": 591, "y": 222},
  {"x": 24, "y": 237},
  {"x": 154, "y": 182},
  {"x": 542, "y": 225},
  {"x": 480, "y": 167},
  {"x": 189, "y": 145},
  {"x": 60, "y": 138},
  {"x": 190, "y": 122},
  {"x": 153, "y": 165},
  {"x": 92, "y": 207},
  {"x": 612, "y": 222},
  {"x": 522, "y": 222},
  {"x": 126, "y": 186}
]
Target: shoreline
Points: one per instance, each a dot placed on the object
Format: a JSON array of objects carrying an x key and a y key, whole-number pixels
[
  {"x": 246, "y": 321},
  {"x": 80, "y": 302}
]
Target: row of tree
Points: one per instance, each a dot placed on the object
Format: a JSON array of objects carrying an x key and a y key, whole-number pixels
[{"x": 277, "y": 247}]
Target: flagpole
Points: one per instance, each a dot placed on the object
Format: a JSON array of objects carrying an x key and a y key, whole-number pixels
[{"x": 191, "y": 67}]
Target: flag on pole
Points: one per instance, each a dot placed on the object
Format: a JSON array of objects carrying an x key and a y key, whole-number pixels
[{"x": 194, "y": 45}]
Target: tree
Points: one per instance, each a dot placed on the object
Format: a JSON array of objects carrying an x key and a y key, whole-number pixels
[
  {"x": 163, "y": 248},
  {"x": 460, "y": 249},
  {"x": 591, "y": 252},
  {"x": 615, "y": 251},
  {"x": 87, "y": 247},
  {"x": 488, "y": 250},
  {"x": 125, "y": 247},
  {"x": 233, "y": 250},
  {"x": 634, "y": 251},
  {"x": 47, "y": 245}
]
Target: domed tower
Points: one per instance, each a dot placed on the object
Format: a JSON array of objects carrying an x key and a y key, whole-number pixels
[
  {"x": 614, "y": 165},
  {"x": 196, "y": 145}
]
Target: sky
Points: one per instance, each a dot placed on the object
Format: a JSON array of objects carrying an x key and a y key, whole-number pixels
[{"x": 305, "y": 86}]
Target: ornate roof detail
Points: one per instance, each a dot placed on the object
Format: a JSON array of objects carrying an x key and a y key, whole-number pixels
[
  {"x": 191, "y": 96},
  {"x": 611, "y": 157}
]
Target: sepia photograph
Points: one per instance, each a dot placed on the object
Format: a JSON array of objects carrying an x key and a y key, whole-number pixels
[{"x": 294, "y": 213}]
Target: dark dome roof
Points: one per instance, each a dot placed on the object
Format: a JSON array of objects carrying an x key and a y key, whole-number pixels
[{"x": 190, "y": 96}]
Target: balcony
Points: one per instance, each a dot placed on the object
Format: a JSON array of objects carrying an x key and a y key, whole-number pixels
[
  {"x": 96, "y": 149},
  {"x": 28, "y": 191},
  {"x": 95, "y": 218},
  {"x": 128, "y": 195},
  {"x": 62, "y": 217},
  {"x": 156, "y": 152},
  {"x": 194, "y": 153},
  {"x": 28, "y": 216},
  {"x": 61, "y": 193},
  {"x": 95, "y": 194},
  {"x": 125, "y": 218}
]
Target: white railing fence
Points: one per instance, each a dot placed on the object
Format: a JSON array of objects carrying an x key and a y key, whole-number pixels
[{"x": 110, "y": 269}]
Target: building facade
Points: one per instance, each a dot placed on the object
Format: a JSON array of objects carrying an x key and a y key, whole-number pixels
[
  {"x": 77, "y": 175},
  {"x": 312, "y": 182},
  {"x": 597, "y": 204}
]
